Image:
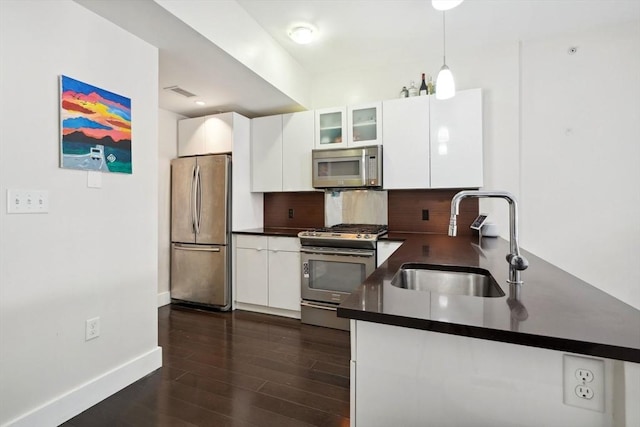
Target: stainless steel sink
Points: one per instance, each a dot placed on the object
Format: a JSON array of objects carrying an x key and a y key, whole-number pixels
[{"x": 447, "y": 279}]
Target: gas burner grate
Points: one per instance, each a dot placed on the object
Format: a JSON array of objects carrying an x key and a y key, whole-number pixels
[{"x": 357, "y": 228}]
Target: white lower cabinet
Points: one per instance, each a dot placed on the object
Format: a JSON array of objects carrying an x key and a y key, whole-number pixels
[
  {"x": 267, "y": 273},
  {"x": 284, "y": 279},
  {"x": 251, "y": 270}
]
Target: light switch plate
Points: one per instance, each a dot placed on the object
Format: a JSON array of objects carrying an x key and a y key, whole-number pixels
[{"x": 27, "y": 201}]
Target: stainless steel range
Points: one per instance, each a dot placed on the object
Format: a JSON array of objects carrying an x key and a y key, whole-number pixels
[{"x": 335, "y": 261}]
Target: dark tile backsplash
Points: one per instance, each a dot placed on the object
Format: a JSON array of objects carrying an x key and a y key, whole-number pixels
[
  {"x": 294, "y": 210},
  {"x": 415, "y": 211},
  {"x": 428, "y": 211}
]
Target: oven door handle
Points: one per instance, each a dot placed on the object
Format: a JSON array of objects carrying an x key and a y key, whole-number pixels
[
  {"x": 361, "y": 254},
  {"x": 318, "y": 305}
]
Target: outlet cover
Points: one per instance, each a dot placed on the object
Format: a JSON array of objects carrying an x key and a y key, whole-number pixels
[
  {"x": 583, "y": 382},
  {"x": 92, "y": 328}
]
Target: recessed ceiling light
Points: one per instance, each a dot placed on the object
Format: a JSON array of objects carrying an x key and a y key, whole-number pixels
[
  {"x": 445, "y": 4},
  {"x": 302, "y": 34},
  {"x": 199, "y": 102}
]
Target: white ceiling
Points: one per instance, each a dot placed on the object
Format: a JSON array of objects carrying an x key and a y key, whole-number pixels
[{"x": 363, "y": 32}]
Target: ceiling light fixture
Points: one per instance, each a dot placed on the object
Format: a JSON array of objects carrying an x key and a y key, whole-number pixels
[
  {"x": 302, "y": 34},
  {"x": 199, "y": 102},
  {"x": 445, "y": 4},
  {"x": 445, "y": 86}
]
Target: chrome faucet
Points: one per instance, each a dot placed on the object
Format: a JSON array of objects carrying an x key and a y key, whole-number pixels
[{"x": 516, "y": 261}]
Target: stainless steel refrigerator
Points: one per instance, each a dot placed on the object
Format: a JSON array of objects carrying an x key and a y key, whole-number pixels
[{"x": 200, "y": 231}]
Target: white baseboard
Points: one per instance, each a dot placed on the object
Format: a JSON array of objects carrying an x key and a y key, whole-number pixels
[
  {"x": 164, "y": 298},
  {"x": 70, "y": 404}
]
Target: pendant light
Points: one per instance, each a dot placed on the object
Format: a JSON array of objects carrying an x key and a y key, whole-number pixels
[
  {"x": 445, "y": 4},
  {"x": 445, "y": 86}
]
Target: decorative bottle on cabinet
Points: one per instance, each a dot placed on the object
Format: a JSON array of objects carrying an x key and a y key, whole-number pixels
[
  {"x": 423, "y": 87},
  {"x": 413, "y": 90}
]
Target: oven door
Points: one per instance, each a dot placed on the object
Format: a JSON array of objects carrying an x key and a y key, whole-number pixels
[{"x": 331, "y": 274}]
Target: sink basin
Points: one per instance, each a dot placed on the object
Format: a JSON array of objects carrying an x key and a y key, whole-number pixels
[{"x": 447, "y": 279}]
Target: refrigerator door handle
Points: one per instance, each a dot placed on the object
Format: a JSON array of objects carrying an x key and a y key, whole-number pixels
[
  {"x": 192, "y": 208},
  {"x": 199, "y": 198},
  {"x": 194, "y": 200},
  {"x": 196, "y": 249}
]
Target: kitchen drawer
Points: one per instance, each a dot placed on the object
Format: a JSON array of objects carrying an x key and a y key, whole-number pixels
[
  {"x": 291, "y": 244},
  {"x": 251, "y": 242}
]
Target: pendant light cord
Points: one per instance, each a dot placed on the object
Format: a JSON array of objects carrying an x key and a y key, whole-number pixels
[{"x": 444, "y": 41}]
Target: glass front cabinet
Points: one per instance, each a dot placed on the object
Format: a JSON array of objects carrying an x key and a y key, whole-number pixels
[
  {"x": 353, "y": 126},
  {"x": 331, "y": 128},
  {"x": 365, "y": 124}
]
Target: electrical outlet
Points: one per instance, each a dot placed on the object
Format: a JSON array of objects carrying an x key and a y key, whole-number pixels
[
  {"x": 584, "y": 375},
  {"x": 583, "y": 382},
  {"x": 584, "y": 392},
  {"x": 290, "y": 213},
  {"x": 425, "y": 214},
  {"x": 92, "y": 328}
]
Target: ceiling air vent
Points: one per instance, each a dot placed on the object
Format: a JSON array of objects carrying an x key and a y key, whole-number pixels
[{"x": 180, "y": 91}]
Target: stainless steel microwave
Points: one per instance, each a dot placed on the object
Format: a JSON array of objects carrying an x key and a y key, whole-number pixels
[{"x": 358, "y": 167}]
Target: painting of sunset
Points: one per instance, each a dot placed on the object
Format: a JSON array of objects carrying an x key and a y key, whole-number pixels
[{"x": 95, "y": 127}]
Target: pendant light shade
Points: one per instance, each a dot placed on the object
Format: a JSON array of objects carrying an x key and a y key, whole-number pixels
[
  {"x": 445, "y": 85},
  {"x": 445, "y": 4}
]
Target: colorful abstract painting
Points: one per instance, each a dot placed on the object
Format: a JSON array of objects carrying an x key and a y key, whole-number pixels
[{"x": 96, "y": 128}]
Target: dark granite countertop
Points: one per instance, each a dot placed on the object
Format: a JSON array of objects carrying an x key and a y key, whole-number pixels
[
  {"x": 272, "y": 231},
  {"x": 555, "y": 310}
]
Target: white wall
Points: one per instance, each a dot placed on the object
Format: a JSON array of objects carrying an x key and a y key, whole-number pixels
[
  {"x": 581, "y": 156},
  {"x": 95, "y": 253},
  {"x": 167, "y": 151},
  {"x": 578, "y": 190}
]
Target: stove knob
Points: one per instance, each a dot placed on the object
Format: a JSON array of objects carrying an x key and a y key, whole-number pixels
[
  {"x": 358, "y": 236},
  {"x": 366, "y": 236}
]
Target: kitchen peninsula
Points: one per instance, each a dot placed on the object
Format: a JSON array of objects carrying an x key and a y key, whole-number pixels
[{"x": 420, "y": 358}]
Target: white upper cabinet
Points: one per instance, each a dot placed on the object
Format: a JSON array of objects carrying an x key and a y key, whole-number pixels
[
  {"x": 433, "y": 144},
  {"x": 219, "y": 133},
  {"x": 364, "y": 124},
  {"x": 281, "y": 152},
  {"x": 406, "y": 143},
  {"x": 297, "y": 143},
  {"x": 456, "y": 140},
  {"x": 191, "y": 136},
  {"x": 353, "y": 126},
  {"x": 266, "y": 154},
  {"x": 205, "y": 135},
  {"x": 331, "y": 128}
]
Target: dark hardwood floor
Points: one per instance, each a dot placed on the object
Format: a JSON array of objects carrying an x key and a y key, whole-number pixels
[{"x": 235, "y": 369}]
